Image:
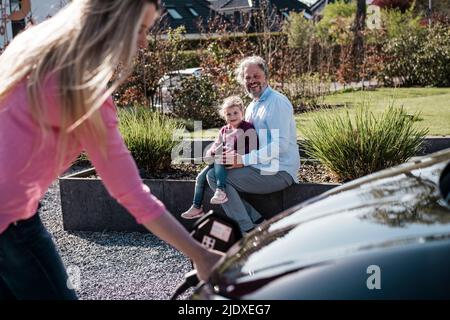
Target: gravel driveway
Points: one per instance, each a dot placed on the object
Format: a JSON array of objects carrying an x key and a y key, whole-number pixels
[{"x": 115, "y": 265}]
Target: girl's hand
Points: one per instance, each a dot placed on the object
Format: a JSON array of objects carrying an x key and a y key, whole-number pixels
[
  {"x": 209, "y": 159},
  {"x": 233, "y": 159}
]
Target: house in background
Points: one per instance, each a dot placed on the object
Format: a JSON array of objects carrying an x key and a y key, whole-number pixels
[
  {"x": 238, "y": 8},
  {"x": 175, "y": 13},
  {"x": 187, "y": 13}
]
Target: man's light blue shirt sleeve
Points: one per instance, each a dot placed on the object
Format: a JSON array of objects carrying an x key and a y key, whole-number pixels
[{"x": 277, "y": 141}]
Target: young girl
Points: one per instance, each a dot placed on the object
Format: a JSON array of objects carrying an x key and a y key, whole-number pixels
[
  {"x": 237, "y": 135},
  {"x": 55, "y": 102}
]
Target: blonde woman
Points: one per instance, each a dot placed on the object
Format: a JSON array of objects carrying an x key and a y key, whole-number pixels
[{"x": 54, "y": 102}]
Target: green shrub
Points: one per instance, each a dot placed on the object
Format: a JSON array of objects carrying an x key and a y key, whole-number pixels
[
  {"x": 335, "y": 26},
  {"x": 189, "y": 58},
  {"x": 439, "y": 6},
  {"x": 299, "y": 30},
  {"x": 307, "y": 92},
  {"x": 149, "y": 136},
  {"x": 398, "y": 24},
  {"x": 196, "y": 100},
  {"x": 352, "y": 147},
  {"x": 150, "y": 64},
  {"x": 419, "y": 58},
  {"x": 432, "y": 63}
]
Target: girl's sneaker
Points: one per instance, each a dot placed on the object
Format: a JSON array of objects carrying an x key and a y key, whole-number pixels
[
  {"x": 219, "y": 197},
  {"x": 193, "y": 213}
]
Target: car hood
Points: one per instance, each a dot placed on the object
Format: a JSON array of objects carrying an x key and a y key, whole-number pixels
[{"x": 392, "y": 208}]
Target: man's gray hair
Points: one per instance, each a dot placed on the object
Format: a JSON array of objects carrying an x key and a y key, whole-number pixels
[{"x": 255, "y": 60}]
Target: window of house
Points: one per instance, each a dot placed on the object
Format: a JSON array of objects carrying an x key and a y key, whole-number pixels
[
  {"x": 192, "y": 10},
  {"x": 174, "y": 14}
]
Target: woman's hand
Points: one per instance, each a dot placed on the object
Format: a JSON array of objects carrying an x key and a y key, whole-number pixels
[{"x": 205, "y": 263}]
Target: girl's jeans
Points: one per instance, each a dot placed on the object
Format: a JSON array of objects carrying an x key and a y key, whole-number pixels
[
  {"x": 30, "y": 266},
  {"x": 200, "y": 183}
]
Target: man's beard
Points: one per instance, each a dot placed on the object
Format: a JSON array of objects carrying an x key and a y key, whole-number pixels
[{"x": 258, "y": 95}]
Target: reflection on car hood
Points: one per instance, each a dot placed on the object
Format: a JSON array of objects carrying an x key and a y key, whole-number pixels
[{"x": 392, "y": 208}]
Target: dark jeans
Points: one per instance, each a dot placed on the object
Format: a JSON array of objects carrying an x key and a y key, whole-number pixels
[
  {"x": 30, "y": 266},
  {"x": 200, "y": 183}
]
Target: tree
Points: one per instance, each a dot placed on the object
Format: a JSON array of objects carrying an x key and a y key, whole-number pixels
[
  {"x": 335, "y": 24},
  {"x": 439, "y": 8},
  {"x": 358, "y": 29},
  {"x": 151, "y": 63}
]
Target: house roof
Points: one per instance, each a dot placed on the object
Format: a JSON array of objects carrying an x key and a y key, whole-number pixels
[
  {"x": 289, "y": 5},
  {"x": 186, "y": 13},
  {"x": 189, "y": 13},
  {"x": 232, "y": 4},
  {"x": 309, "y": 6}
]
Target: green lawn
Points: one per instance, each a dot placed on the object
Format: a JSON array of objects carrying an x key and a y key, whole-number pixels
[
  {"x": 432, "y": 103},
  {"x": 206, "y": 134}
]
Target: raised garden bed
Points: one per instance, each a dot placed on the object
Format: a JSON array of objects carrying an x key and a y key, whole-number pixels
[
  {"x": 310, "y": 171},
  {"x": 87, "y": 206}
]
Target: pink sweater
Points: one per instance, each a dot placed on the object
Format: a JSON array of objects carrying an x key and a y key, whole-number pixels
[
  {"x": 242, "y": 140},
  {"x": 26, "y": 171}
]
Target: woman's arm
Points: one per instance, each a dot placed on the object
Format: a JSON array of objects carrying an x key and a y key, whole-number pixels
[{"x": 121, "y": 178}]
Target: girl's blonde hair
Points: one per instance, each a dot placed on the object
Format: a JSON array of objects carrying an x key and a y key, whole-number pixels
[
  {"x": 232, "y": 101},
  {"x": 82, "y": 45}
]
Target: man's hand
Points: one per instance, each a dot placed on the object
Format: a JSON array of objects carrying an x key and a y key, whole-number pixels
[{"x": 233, "y": 160}]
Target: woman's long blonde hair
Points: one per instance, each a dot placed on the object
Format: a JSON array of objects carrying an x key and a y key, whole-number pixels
[{"x": 83, "y": 45}]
